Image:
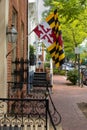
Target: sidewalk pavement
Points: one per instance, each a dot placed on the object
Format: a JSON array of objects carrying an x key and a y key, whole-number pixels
[{"x": 65, "y": 97}]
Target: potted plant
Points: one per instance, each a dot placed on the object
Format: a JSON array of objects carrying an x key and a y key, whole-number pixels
[{"x": 32, "y": 56}]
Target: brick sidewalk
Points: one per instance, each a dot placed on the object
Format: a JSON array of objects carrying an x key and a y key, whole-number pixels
[{"x": 66, "y": 97}]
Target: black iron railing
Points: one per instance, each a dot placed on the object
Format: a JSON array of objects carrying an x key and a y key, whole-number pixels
[
  {"x": 21, "y": 112},
  {"x": 35, "y": 107},
  {"x": 31, "y": 106}
]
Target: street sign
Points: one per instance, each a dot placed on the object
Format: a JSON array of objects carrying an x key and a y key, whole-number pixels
[{"x": 77, "y": 50}]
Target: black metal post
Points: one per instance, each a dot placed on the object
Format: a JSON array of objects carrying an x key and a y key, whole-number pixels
[
  {"x": 79, "y": 69},
  {"x": 47, "y": 107}
]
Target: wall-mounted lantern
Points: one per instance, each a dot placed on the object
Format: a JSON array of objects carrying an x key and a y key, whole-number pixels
[
  {"x": 12, "y": 37},
  {"x": 12, "y": 34}
]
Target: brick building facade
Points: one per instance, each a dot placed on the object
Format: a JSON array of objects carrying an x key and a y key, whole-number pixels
[{"x": 18, "y": 15}]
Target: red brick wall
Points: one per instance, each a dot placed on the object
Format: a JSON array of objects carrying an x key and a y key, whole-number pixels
[{"x": 21, "y": 7}]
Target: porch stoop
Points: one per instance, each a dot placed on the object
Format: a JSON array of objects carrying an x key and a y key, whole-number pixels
[{"x": 40, "y": 79}]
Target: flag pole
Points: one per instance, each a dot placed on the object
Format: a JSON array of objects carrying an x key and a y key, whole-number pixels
[
  {"x": 16, "y": 45},
  {"x": 30, "y": 32},
  {"x": 28, "y": 35}
]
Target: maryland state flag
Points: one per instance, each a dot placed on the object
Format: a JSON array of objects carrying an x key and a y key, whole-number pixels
[
  {"x": 45, "y": 33},
  {"x": 56, "y": 49}
]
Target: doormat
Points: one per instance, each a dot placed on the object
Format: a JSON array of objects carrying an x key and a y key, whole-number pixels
[{"x": 83, "y": 107}]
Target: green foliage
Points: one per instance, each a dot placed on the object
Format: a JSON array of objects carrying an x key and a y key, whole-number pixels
[
  {"x": 72, "y": 76},
  {"x": 31, "y": 50},
  {"x": 46, "y": 65},
  {"x": 58, "y": 72},
  {"x": 67, "y": 8},
  {"x": 48, "y": 56},
  {"x": 72, "y": 15},
  {"x": 62, "y": 72},
  {"x": 32, "y": 57},
  {"x": 55, "y": 71}
]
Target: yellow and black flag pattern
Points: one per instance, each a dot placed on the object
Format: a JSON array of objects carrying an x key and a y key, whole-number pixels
[{"x": 56, "y": 49}]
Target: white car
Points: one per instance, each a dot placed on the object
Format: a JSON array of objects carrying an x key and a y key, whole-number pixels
[{"x": 67, "y": 66}]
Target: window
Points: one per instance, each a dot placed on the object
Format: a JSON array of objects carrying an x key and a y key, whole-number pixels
[
  {"x": 22, "y": 40},
  {"x": 14, "y": 21}
]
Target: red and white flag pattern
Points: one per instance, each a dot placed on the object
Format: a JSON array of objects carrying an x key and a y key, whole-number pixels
[{"x": 44, "y": 32}]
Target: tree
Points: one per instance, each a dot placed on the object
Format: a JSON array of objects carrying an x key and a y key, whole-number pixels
[
  {"x": 73, "y": 18},
  {"x": 67, "y": 8}
]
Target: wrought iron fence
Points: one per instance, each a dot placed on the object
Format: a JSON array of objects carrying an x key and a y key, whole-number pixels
[
  {"x": 17, "y": 114},
  {"x": 22, "y": 111}
]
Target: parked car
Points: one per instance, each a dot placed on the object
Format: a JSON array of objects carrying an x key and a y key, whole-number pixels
[
  {"x": 67, "y": 66},
  {"x": 84, "y": 73}
]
